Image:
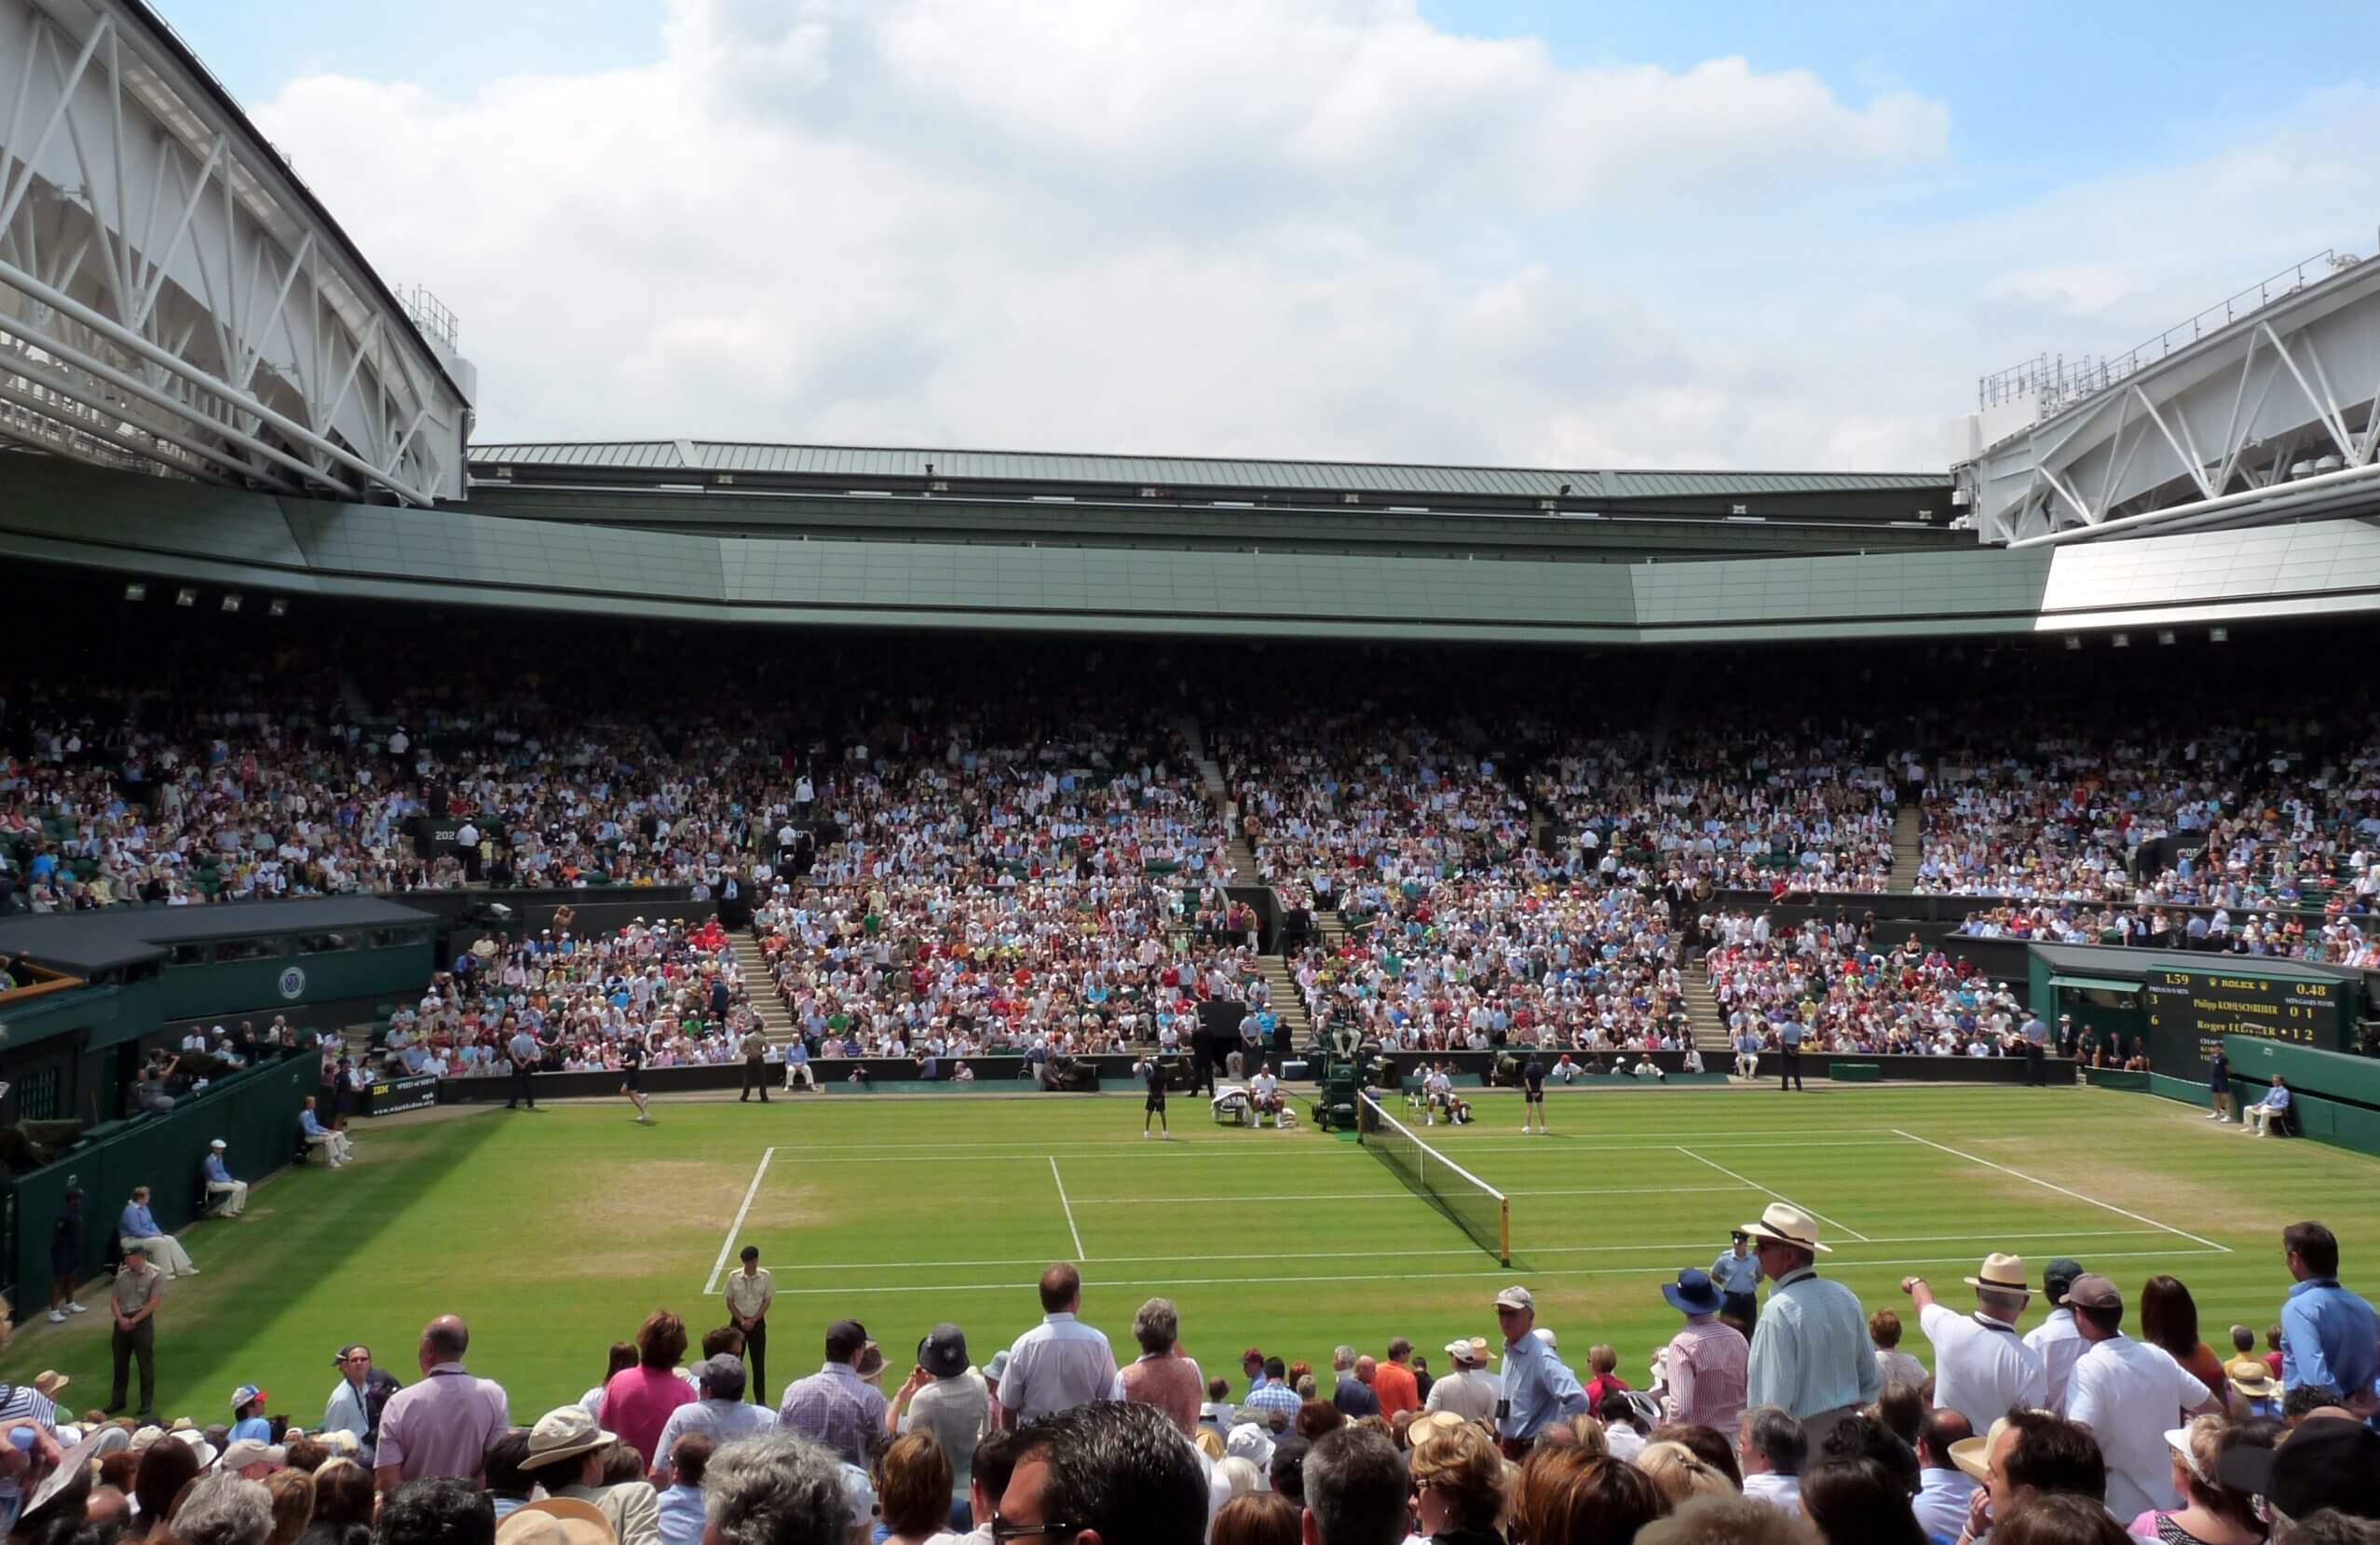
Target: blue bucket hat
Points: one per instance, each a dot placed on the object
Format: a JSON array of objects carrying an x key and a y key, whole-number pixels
[{"x": 1692, "y": 1293}]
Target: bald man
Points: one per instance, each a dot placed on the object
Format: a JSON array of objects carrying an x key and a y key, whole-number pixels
[{"x": 443, "y": 1426}]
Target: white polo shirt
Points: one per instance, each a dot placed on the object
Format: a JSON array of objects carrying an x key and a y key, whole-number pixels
[
  {"x": 2129, "y": 1393},
  {"x": 1980, "y": 1368},
  {"x": 2059, "y": 1345}
]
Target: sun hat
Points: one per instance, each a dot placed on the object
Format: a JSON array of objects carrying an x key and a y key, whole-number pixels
[
  {"x": 1692, "y": 1293},
  {"x": 1473, "y": 1351},
  {"x": 1545, "y": 1333},
  {"x": 49, "y": 1381},
  {"x": 944, "y": 1351},
  {"x": 216, "y": 1144},
  {"x": 248, "y": 1451},
  {"x": 2252, "y": 1377},
  {"x": 1251, "y": 1442},
  {"x": 563, "y": 1433},
  {"x": 998, "y": 1367},
  {"x": 198, "y": 1444},
  {"x": 1787, "y": 1224},
  {"x": 2327, "y": 1462},
  {"x": 2003, "y": 1273},
  {"x": 556, "y": 1521}
]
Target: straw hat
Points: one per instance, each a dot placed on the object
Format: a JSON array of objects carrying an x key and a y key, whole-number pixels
[
  {"x": 2003, "y": 1273},
  {"x": 1787, "y": 1224},
  {"x": 565, "y": 1434},
  {"x": 555, "y": 1520}
]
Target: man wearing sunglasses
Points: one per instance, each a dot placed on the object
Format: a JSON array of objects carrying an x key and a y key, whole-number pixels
[{"x": 1103, "y": 1472}]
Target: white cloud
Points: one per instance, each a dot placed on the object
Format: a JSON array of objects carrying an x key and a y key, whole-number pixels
[{"x": 1325, "y": 228}]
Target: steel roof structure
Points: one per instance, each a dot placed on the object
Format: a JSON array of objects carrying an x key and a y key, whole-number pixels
[{"x": 516, "y": 460}]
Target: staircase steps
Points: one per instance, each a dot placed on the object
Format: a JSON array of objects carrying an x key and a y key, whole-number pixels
[
  {"x": 1908, "y": 847},
  {"x": 776, "y": 1020},
  {"x": 1702, "y": 1007}
]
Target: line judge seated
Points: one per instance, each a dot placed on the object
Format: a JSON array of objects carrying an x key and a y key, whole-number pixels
[{"x": 139, "y": 1226}]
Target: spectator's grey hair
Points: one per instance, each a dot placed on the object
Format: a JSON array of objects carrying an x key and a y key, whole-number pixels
[
  {"x": 1341, "y": 1357},
  {"x": 1157, "y": 1326},
  {"x": 776, "y": 1489},
  {"x": 1356, "y": 1487},
  {"x": 224, "y": 1510},
  {"x": 1780, "y": 1438}
]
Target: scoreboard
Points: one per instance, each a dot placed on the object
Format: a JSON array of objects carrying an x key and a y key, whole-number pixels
[{"x": 2190, "y": 1009}]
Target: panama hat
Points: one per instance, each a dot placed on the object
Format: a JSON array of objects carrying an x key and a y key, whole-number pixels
[
  {"x": 1787, "y": 1224},
  {"x": 2002, "y": 1273},
  {"x": 564, "y": 1434},
  {"x": 2252, "y": 1377},
  {"x": 555, "y": 1520},
  {"x": 1692, "y": 1293},
  {"x": 49, "y": 1381}
]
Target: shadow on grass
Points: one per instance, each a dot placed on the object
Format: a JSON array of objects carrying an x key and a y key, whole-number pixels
[{"x": 255, "y": 1273}]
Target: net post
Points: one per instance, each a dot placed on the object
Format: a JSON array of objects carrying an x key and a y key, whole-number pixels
[{"x": 1503, "y": 1231}]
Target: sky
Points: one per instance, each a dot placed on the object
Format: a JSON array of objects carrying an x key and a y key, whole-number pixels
[{"x": 1519, "y": 231}]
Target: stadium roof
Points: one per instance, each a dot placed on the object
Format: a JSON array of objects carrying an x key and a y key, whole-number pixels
[
  {"x": 86, "y": 941},
  {"x": 708, "y": 456}
]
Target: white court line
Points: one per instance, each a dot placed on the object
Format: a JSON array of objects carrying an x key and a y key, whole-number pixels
[
  {"x": 2046, "y": 1186},
  {"x": 1181, "y": 1150},
  {"x": 737, "y": 1228},
  {"x": 1276, "y": 1256},
  {"x": 1079, "y": 1257},
  {"x": 1402, "y": 1195},
  {"x": 1778, "y": 1195},
  {"x": 1484, "y": 1274},
  {"x": 1035, "y": 1150}
]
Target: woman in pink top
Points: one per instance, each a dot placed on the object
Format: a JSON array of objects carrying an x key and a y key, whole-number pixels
[{"x": 637, "y": 1402}]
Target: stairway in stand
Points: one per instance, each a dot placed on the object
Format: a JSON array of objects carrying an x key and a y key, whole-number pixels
[
  {"x": 776, "y": 1020},
  {"x": 1710, "y": 1025},
  {"x": 1908, "y": 848},
  {"x": 1237, "y": 850}
]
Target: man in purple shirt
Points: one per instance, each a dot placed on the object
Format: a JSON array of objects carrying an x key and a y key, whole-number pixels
[
  {"x": 834, "y": 1407},
  {"x": 443, "y": 1425}
]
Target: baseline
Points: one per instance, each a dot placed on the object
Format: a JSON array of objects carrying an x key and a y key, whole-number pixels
[
  {"x": 727, "y": 1245},
  {"x": 2048, "y": 1185},
  {"x": 1778, "y": 1196}
]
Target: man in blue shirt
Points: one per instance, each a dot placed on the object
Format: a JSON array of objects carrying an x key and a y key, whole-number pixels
[
  {"x": 1737, "y": 1275},
  {"x": 234, "y": 1193},
  {"x": 333, "y": 1144},
  {"x": 1810, "y": 1353},
  {"x": 1791, "y": 1034},
  {"x": 2328, "y": 1336},
  {"x": 1539, "y": 1391},
  {"x": 2257, "y": 1117},
  {"x": 139, "y": 1226},
  {"x": 2034, "y": 1038}
]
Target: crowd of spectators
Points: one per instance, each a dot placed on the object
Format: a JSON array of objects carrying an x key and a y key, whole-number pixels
[
  {"x": 1848, "y": 993},
  {"x": 1799, "y": 1421}
]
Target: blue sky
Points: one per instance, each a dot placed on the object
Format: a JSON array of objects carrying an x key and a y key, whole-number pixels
[{"x": 1487, "y": 229}]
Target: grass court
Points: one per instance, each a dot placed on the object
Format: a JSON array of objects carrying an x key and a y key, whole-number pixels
[{"x": 554, "y": 1234}]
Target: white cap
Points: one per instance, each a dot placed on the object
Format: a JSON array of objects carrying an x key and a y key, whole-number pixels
[{"x": 216, "y": 1144}]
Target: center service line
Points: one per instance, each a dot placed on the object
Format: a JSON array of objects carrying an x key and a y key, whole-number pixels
[
  {"x": 1079, "y": 1257},
  {"x": 728, "y": 1244}
]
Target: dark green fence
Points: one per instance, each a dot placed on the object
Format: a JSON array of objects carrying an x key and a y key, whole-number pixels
[{"x": 254, "y": 1112}]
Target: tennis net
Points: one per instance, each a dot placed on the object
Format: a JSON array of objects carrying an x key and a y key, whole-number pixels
[{"x": 1470, "y": 1203}]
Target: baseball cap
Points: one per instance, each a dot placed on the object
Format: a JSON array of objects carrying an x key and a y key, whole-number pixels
[
  {"x": 1473, "y": 1350},
  {"x": 248, "y": 1451},
  {"x": 721, "y": 1375},
  {"x": 2092, "y": 1291},
  {"x": 216, "y": 1144},
  {"x": 2327, "y": 1462},
  {"x": 245, "y": 1393},
  {"x": 2059, "y": 1275},
  {"x": 348, "y": 1351},
  {"x": 845, "y": 1338},
  {"x": 1514, "y": 1297}
]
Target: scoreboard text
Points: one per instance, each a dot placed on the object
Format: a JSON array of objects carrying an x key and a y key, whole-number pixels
[{"x": 2191, "y": 1008}]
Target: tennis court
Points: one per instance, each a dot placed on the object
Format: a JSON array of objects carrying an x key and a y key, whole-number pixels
[{"x": 556, "y": 1234}]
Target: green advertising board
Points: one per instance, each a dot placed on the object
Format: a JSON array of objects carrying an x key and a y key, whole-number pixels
[{"x": 2190, "y": 1009}]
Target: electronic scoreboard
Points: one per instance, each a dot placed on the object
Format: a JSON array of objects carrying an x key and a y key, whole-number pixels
[{"x": 2190, "y": 1009}]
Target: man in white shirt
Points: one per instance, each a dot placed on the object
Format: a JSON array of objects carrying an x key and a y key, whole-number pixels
[
  {"x": 1772, "y": 1447},
  {"x": 1059, "y": 1364},
  {"x": 1980, "y": 1369},
  {"x": 2055, "y": 1339},
  {"x": 2129, "y": 1394},
  {"x": 1944, "y": 1491},
  {"x": 1468, "y": 1388}
]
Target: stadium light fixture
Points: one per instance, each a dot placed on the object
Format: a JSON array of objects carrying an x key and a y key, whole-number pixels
[
  {"x": 2164, "y": 635},
  {"x": 136, "y": 591},
  {"x": 231, "y": 602},
  {"x": 2219, "y": 635},
  {"x": 2073, "y": 642},
  {"x": 2123, "y": 641},
  {"x": 277, "y": 607},
  {"x": 186, "y": 597}
]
